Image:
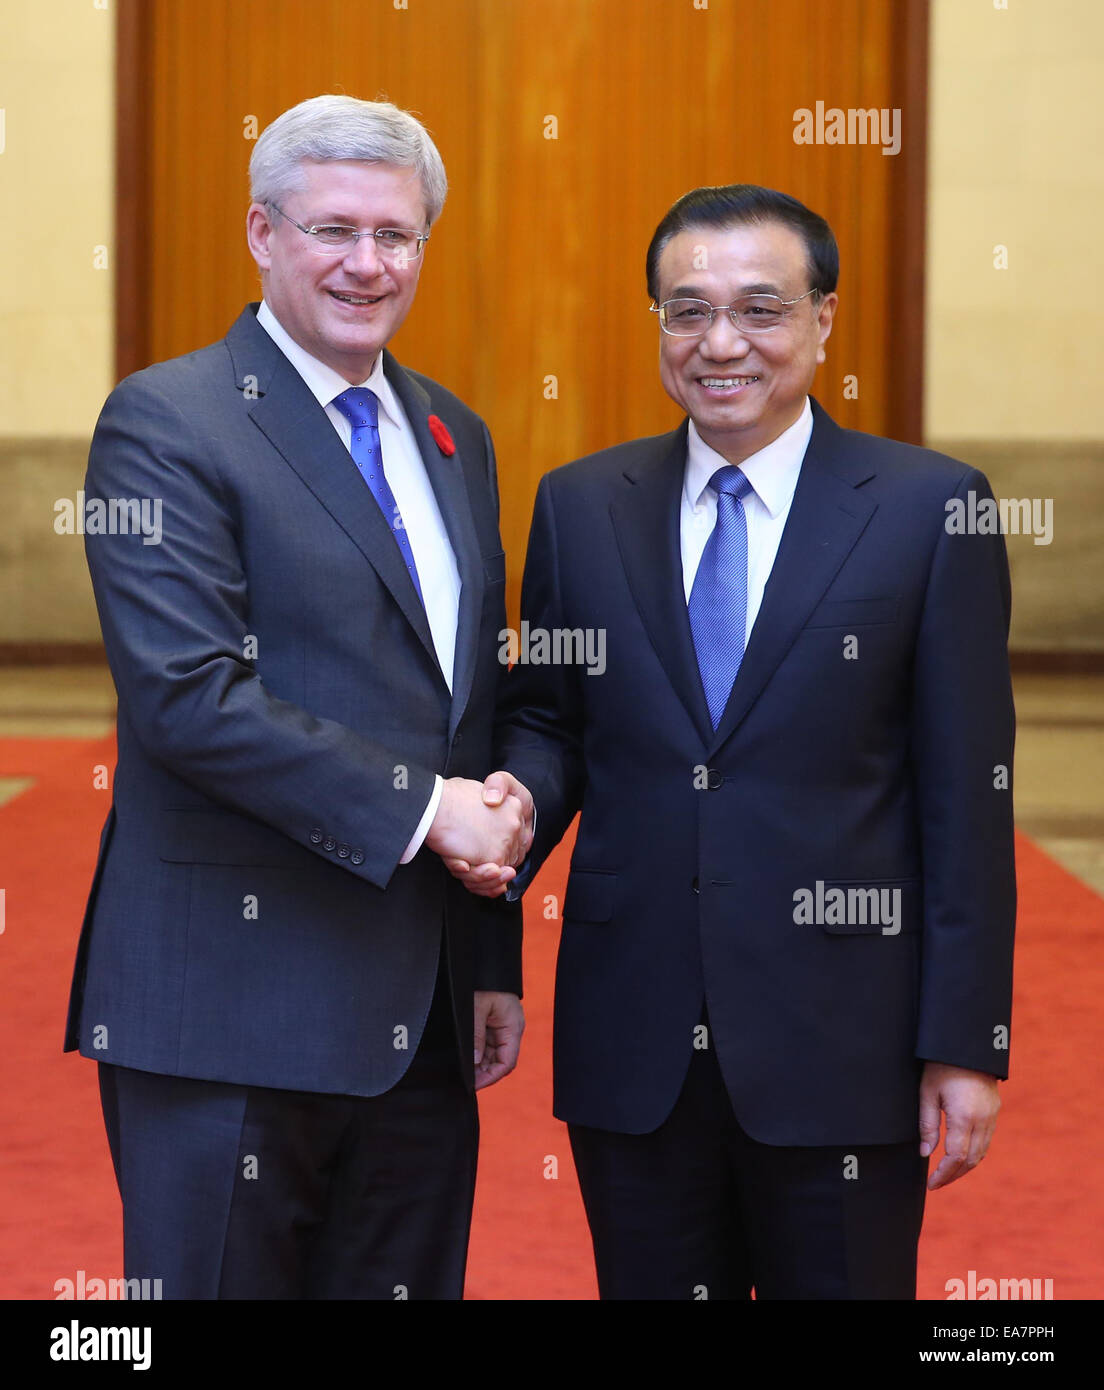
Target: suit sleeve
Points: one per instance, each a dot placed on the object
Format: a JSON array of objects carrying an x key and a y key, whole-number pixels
[
  {"x": 962, "y": 744},
  {"x": 175, "y": 622},
  {"x": 539, "y": 727}
]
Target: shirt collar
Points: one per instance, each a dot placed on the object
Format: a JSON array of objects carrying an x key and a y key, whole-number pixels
[
  {"x": 772, "y": 472},
  {"x": 322, "y": 381}
]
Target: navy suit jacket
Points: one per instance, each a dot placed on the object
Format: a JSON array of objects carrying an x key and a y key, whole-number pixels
[
  {"x": 862, "y": 747},
  {"x": 281, "y": 717}
]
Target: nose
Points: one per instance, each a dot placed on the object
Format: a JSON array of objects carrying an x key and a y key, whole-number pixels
[
  {"x": 364, "y": 259},
  {"x": 722, "y": 341}
]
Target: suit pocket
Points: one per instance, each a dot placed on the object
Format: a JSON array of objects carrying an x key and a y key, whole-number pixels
[
  {"x": 870, "y": 906},
  {"x": 854, "y": 612},
  {"x": 590, "y": 897},
  {"x": 494, "y": 568}
]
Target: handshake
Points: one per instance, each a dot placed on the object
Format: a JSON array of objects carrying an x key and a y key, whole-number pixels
[{"x": 483, "y": 831}]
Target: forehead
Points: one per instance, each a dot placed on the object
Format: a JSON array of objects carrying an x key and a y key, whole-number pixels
[
  {"x": 360, "y": 190},
  {"x": 734, "y": 258}
]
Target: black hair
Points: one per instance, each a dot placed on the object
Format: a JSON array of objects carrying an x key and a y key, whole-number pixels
[{"x": 737, "y": 204}]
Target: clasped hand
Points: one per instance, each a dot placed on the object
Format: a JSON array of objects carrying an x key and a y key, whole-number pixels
[{"x": 483, "y": 830}]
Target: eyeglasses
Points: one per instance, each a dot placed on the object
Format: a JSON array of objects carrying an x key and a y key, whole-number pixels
[
  {"x": 399, "y": 244},
  {"x": 751, "y": 313}
]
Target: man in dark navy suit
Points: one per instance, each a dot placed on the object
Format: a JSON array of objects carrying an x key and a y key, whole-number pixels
[
  {"x": 279, "y": 979},
  {"x": 787, "y": 934}
]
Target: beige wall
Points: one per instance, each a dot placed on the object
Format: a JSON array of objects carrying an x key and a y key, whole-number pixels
[
  {"x": 57, "y": 190},
  {"x": 56, "y": 321},
  {"x": 1015, "y": 138},
  {"x": 1015, "y": 357},
  {"x": 1016, "y": 126}
]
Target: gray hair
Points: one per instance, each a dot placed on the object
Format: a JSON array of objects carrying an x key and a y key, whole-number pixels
[{"x": 341, "y": 127}]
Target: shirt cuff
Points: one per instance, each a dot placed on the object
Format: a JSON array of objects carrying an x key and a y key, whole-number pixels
[{"x": 418, "y": 838}]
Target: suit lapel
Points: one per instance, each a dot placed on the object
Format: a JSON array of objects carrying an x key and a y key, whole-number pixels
[
  {"x": 646, "y": 523},
  {"x": 446, "y": 477},
  {"x": 826, "y": 518},
  {"x": 296, "y": 425}
]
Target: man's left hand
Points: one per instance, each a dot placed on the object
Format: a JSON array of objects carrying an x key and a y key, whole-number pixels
[
  {"x": 970, "y": 1101},
  {"x": 499, "y": 1024}
]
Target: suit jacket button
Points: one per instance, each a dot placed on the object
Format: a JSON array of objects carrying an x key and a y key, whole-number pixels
[
  {"x": 456, "y": 739},
  {"x": 316, "y": 836},
  {"x": 714, "y": 779},
  {"x": 694, "y": 884},
  {"x": 357, "y": 857},
  {"x": 343, "y": 851},
  {"x": 329, "y": 843}
]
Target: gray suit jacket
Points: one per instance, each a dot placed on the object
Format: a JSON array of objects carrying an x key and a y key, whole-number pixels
[{"x": 281, "y": 718}]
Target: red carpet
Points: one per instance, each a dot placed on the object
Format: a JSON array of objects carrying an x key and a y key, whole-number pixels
[{"x": 1034, "y": 1209}]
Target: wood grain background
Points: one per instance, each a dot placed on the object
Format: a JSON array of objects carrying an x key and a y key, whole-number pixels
[{"x": 536, "y": 268}]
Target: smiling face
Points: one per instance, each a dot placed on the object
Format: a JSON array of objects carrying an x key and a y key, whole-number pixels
[
  {"x": 742, "y": 390},
  {"x": 341, "y": 308}
]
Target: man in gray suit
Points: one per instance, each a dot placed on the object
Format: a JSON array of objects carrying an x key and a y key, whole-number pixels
[{"x": 277, "y": 976}]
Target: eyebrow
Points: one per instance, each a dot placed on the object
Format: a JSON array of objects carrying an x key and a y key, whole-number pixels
[
  {"x": 696, "y": 292},
  {"x": 335, "y": 219},
  {"x": 342, "y": 219}
]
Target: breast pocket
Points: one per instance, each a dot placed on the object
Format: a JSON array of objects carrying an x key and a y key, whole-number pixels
[
  {"x": 854, "y": 612},
  {"x": 494, "y": 568}
]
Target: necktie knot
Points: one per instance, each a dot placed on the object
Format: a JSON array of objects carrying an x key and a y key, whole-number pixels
[
  {"x": 731, "y": 482},
  {"x": 359, "y": 406}
]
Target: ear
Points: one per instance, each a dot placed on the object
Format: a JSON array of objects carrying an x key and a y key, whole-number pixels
[
  {"x": 258, "y": 231},
  {"x": 826, "y": 313}
]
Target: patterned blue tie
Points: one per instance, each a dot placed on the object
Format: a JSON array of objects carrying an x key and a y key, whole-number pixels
[
  {"x": 361, "y": 408},
  {"x": 718, "y": 598}
]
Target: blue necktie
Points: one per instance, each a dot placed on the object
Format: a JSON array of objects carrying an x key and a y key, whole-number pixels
[
  {"x": 718, "y": 598},
  {"x": 361, "y": 408}
]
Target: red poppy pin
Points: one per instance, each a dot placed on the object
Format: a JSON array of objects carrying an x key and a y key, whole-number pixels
[{"x": 440, "y": 433}]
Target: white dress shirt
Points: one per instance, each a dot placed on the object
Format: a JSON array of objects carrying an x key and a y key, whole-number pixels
[
  {"x": 773, "y": 474},
  {"x": 434, "y": 558}
]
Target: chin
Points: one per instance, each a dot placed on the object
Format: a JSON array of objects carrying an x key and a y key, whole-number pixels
[{"x": 357, "y": 344}]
